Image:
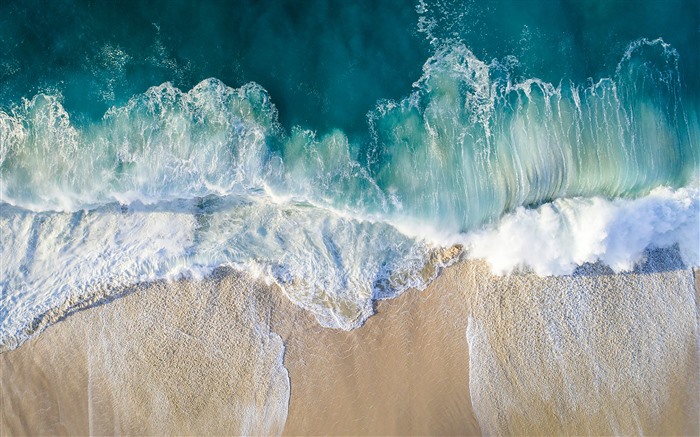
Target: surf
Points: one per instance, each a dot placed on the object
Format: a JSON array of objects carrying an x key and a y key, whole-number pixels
[{"x": 176, "y": 183}]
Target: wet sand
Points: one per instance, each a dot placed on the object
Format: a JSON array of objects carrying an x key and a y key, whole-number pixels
[
  {"x": 404, "y": 372},
  {"x": 203, "y": 357},
  {"x": 593, "y": 354},
  {"x": 207, "y": 357},
  {"x": 168, "y": 358}
]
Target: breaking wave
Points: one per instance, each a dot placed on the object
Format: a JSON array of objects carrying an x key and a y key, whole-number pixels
[{"x": 524, "y": 173}]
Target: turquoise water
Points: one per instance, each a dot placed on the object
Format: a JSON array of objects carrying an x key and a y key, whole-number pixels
[
  {"x": 325, "y": 63},
  {"x": 335, "y": 148}
]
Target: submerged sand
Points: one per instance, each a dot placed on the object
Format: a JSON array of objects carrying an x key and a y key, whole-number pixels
[{"x": 595, "y": 353}]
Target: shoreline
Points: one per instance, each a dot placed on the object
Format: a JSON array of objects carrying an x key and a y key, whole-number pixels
[
  {"x": 441, "y": 259},
  {"x": 53, "y": 352},
  {"x": 405, "y": 371}
]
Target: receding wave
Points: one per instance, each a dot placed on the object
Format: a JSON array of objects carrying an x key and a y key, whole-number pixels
[{"x": 177, "y": 183}]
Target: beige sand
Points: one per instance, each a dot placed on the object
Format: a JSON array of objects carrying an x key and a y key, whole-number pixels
[
  {"x": 405, "y": 372},
  {"x": 204, "y": 357},
  {"x": 597, "y": 354},
  {"x": 171, "y": 358},
  {"x": 175, "y": 358}
]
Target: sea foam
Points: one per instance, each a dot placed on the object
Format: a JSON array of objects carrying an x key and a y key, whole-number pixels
[{"x": 557, "y": 237}]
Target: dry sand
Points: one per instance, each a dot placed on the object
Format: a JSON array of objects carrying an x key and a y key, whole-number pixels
[{"x": 205, "y": 357}]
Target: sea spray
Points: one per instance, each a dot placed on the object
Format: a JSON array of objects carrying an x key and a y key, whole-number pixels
[
  {"x": 471, "y": 143},
  {"x": 557, "y": 237}
]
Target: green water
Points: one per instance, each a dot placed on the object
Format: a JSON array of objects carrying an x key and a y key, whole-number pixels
[{"x": 448, "y": 113}]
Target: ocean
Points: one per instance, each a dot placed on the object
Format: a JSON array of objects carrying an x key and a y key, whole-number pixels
[{"x": 345, "y": 152}]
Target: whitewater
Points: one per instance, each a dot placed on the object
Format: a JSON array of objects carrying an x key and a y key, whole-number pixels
[{"x": 476, "y": 162}]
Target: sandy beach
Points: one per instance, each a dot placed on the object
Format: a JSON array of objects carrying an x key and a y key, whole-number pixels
[
  {"x": 179, "y": 358},
  {"x": 228, "y": 355},
  {"x": 405, "y": 372},
  {"x": 350, "y": 218}
]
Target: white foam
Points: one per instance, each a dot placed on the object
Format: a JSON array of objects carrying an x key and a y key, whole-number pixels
[
  {"x": 328, "y": 262},
  {"x": 50, "y": 259},
  {"x": 331, "y": 264},
  {"x": 555, "y": 238}
]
